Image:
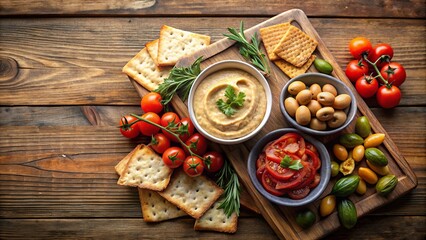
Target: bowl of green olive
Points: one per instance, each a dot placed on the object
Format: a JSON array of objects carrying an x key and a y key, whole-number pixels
[{"x": 317, "y": 104}]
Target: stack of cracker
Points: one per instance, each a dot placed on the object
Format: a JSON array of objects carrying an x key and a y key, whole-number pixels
[
  {"x": 165, "y": 194},
  {"x": 289, "y": 48},
  {"x": 153, "y": 63}
]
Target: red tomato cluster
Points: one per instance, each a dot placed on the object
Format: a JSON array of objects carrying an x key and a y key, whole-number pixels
[
  {"x": 279, "y": 180},
  {"x": 373, "y": 73},
  {"x": 174, "y": 151}
]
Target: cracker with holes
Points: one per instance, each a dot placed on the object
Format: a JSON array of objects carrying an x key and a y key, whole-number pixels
[
  {"x": 194, "y": 195},
  {"x": 143, "y": 70},
  {"x": 293, "y": 71},
  {"x": 175, "y": 43},
  {"x": 146, "y": 169},
  {"x": 215, "y": 219},
  {"x": 271, "y": 36},
  {"x": 155, "y": 208},
  {"x": 121, "y": 166},
  {"x": 295, "y": 47},
  {"x": 152, "y": 48}
]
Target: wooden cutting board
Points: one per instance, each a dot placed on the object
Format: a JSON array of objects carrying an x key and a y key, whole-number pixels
[{"x": 282, "y": 219}]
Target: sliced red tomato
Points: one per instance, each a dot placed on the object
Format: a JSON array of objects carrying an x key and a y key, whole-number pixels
[
  {"x": 313, "y": 159},
  {"x": 290, "y": 143},
  {"x": 259, "y": 172},
  {"x": 295, "y": 180},
  {"x": 311, "y": 147},
  {"x": 261, "y": 160},
  {"x": 299, "y": 193},
  {"x": 316, "y": 181},
  {"x": 308, "y": 178},
  {"x": 279, "y": 172},
  {"x": 269, "y": 183}
]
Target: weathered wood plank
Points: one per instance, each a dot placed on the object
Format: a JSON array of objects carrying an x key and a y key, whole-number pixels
[
  {"x": 374, "y": 8},
  {"x": 248, "y": 228},
  {"x": 68, "y": 61}
]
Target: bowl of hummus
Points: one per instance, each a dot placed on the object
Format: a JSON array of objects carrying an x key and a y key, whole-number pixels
[{"x": 229, "y": 102}]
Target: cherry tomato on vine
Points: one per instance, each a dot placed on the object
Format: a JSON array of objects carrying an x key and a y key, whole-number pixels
[
  {"x": 197, "y": 143},
  {"x": 174, "y": 157},
  {"x": 189, "y": 125},
  {"x": 388, "y": 97},
  {"x": 394, "y": 73},
  {"x": 213, "y": 161},
  {"x": 356, "y": 69},
  {"x": 379, "y": 50},
  {"x": 169, "y": 117},
  {"x": 151, "y": 102},
  {"x": 127, "y": 130},
  {"x": 366, "y": 86},
  {"x": 159, "y": 143},
  {"x": 360, "y": 46},
  {"x": 148, "y": 129},
  {"x": 193, "y": 166}
]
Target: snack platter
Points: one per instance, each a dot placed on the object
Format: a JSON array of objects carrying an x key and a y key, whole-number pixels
[{"x": 282, "y": 219}]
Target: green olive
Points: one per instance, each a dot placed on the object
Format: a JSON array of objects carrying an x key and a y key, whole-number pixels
[
  {"x": 342, "y": 101},
  {"x": 304, "y": 97},
  {"x": 317, "y": 124},
  {"x": 291, "y": 106},
  {"x": 334, "y": 168},
  {"x": 325, "y": 98},
  {"x": 295, "y": 87},
  {"x": 305, "y": 218},
  {"x": 362, "y": 126},
  {"x": 303, "y": 115},
  {"x": 315, "y": 89},
  {"x": 339, "y": 118},
  {"x": 329, "y": 88},
  {"x": 325, "y": 113},
  {"x": 323, "y": 66},
  {"x": 314, "y": 106}
]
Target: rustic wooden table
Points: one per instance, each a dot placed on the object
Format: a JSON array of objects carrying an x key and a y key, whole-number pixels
[{"x": 62, "y": 93}]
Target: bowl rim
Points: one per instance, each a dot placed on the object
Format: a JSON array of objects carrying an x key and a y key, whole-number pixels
[
  {"x": 351, "y": 111},
  {"x": 284, "y": 201},
  {"x": 226, "y": 64}
]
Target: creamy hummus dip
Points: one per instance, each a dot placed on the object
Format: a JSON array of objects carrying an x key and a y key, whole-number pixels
[{"x": 247, "y": 117}]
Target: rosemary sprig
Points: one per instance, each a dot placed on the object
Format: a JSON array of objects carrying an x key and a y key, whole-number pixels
[
  {"x": 250, "y": 51},
  {"x": 179, "y": 82},
  {"x": 228, "y": 180}
]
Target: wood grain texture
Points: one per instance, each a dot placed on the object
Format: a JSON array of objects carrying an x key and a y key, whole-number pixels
[
  {"x": 364, "y": 8},
  {"x": 68, "y": 61}
]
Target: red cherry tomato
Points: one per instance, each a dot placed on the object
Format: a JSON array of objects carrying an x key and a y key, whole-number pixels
[
  {"x": 186, "y": 123},
  {"x": 360, "y": 46},
  {"x": 151, "y": 102},
  {"x": 193, "y": 166},
  {"x": 383, "y": 51},
  {"x": 388, "y": 97},
  {"x": 168, "y": 118},
  {"x": 197, "y": 143},
  {"x": 173, "y": 157},
  {"x": 366, "y": 86},
  {"x": 159, "y": 143},
  {"x": 127, "y": 130},
  {"x": 394, "y": 73},
  {"x": 356, "y": 69},
  {"x": 148, "y": 129},
  {"x": 213, "y": 161}
]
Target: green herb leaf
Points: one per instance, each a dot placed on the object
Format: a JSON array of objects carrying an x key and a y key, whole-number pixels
[
  {"x": 229, "y": 107},
  {"x": 228, "y": 180},
  {"x": 288, "y": 162},
  {"x": 179, "y": 82},
  {"x": 250, "y": 51}
]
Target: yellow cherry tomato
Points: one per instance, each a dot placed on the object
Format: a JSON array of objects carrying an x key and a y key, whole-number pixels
[
  {"x": 327, "y": 205},
  {"x": 340, "y": 152},
  {"x": 368, "y": 175},
  {"x": 374, "y": 140},
  {"x": 358, "y": 153}
]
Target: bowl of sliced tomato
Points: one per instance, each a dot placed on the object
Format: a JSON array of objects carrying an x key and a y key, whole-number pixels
[{"x": 289, "y": 168}]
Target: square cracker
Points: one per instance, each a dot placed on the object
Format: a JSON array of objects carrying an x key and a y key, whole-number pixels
[
  {"x": 152, "y": 48},
  {"x": 293, "y": 71},
  {"x": 121, "y": 166},
  {"x": 215, "y": 219},
  {"x": 142, "y": 68},
  {"x": 155, "y": 208},
  {"x": 295, "y": 47},
  {"x": 175, "y": 44},
  {"x": 271, "y": 36},
  {"x": 194, "y": 195},
  {"x": 146, "y": 169}
]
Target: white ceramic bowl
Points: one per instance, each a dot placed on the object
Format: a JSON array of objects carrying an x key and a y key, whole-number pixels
[{"x": 227, "y": 64}]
